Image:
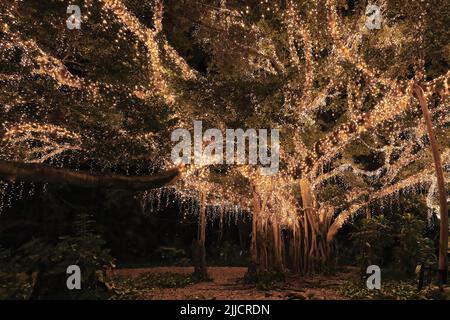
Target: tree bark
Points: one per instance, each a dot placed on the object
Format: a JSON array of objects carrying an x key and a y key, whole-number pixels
[
  {"x": 308, "y": 205},
  {"x": 368, "y": 213},
  {"x": 200, "y": 268},
  {"x": 296, "y": 246},
  {"x": 253, "y": 245},
  {"x": 277, "y": 246},
  {"x": 253, "y": 269},
  {"x": 41, "y": 173},
  {"x": 443, "y": 238}
]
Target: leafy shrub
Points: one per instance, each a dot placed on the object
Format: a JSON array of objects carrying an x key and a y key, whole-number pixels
[
  {"x": 49, "y": 264},
  {"x": 372, "y": 237},
  {"x": 46, "y": 264},
  {"x": 171, "y": 254},
  {"x": 227, "y": 253},
  {"x": 396, "y": 242},
  {"x": 413, "y": 247},
  {"x": 13, "y": 287}
]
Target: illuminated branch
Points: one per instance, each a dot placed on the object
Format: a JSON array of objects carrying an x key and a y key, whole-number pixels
[
  {"x": 247, "y": 49},
  {"x": 393, "y": 105},
  {"x": 40, "y": 142},
  {"x": 420, "y": 178},
  {"x": 39, "y": 173},
  {"x": 347, "y": 53},
  {"x": 149, "y": 38},
  {"x": 47, "y": 64}
]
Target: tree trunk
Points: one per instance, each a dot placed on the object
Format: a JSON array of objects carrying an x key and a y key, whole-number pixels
[
  {"x": 277, "y": 246},
  {"x": 256, "y": 209},
  {"x": 220, "y": 233},
  {"x": 308, "y": 205},
  {"x": 316, "y": 223},
  {"x": 443, "y": 238},
  {"x": 200, "y": 269},
  {"x": 262, "y": 244},
  {"x": 41, "y": 173},
  {"x": 253, "y": 268},
  {"x": 296, "y": 246},
  {"x": 368, "y": 213}
]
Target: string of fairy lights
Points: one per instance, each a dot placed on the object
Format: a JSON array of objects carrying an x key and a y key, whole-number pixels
[
  {"x": 373, "y": 101},
  {"x": 52, "y": 141}
]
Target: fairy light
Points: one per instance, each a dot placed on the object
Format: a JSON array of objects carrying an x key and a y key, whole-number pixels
[{"x": 53, "y": 141}]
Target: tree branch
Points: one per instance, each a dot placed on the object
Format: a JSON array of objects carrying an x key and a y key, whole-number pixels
[
  {"x": 40, "y": 173},
  {"x": 242, "y": 47}
]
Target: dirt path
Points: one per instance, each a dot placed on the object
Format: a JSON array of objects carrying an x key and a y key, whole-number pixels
[{"x": 228, "y": 284}]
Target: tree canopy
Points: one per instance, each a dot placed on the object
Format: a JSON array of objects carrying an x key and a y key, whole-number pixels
[{"x": 106, "y": 97}]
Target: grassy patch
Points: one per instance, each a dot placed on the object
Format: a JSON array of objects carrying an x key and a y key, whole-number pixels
[
  {"x": 120, "y": 287},
  {"x": 126, "y": 287},
  {"x": 266, "y": 280},
  {"x": 391, "y": 290},
  {"x": 13, "y": 287}
]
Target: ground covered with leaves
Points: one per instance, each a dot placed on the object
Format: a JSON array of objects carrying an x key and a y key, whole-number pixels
[{"x": 228, "y": 283}]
